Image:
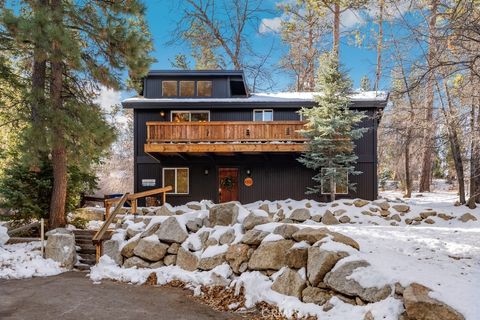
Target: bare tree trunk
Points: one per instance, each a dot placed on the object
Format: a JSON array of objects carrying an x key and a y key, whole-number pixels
[
  {"x": 332, "y": 189},
  {"x": 454, "y": 144},
  {"x": 310, "y": 70},
  {"x": 378, "y": 73},
  {"x": 429, "y": 130},
  {"x": 408, "y": 136},
  {"x": 408, "y": 178},
  {"x": 59, "y": 153},
  {"x": 336, "y": 29},
  {"x": 474, "y": 151}
]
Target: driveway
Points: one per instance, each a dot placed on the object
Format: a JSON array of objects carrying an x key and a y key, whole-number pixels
[{"x": 73, "y": 296}]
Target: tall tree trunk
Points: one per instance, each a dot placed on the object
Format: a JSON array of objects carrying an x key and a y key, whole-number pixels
[
  {"x": 408, "y": 141},
  {"x": 378, "y": 72},
  {"x": 408, "y": 135},
  {"x": 59, "y": 153},
  {"x": 408, "y": 177},
  {"x": 474, "y": 150},
  {"x": 311, "y": 60},
  {"x": 429, "y": 128},
  {"x": 452, "y": 125},
  {"x": 336, "y": 29},
  {"x": 39, "y": 70}
]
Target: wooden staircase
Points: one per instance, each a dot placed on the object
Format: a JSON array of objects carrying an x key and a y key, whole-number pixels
[{"x": 85, "y": 249}]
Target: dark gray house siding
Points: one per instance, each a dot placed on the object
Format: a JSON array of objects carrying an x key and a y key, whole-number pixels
[{"x": 276, "y": 176}]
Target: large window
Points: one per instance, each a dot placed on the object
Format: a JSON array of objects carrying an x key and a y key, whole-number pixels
[
  {"x": 204, "y": 88},
  {"x": 191, "y": 116},
  {"x": 169, "y": 88},
  {"x": 263, "y": 115},
  {"x": 341, "y": 180},
  {"x": 187, "y": 88},
  {"x": 177, "y": 178}
]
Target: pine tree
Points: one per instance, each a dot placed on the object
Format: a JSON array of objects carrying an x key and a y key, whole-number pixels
[
  {"x": 331, "y": 129},
  {"x": 303, "y": 29},
  {"x": 85, "y": 45}
]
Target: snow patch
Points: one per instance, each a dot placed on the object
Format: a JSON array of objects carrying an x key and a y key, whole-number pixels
[{"x": 24, "y": 260}]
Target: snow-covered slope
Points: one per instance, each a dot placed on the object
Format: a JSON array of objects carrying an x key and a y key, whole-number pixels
[{"x": 423, "y": 240}]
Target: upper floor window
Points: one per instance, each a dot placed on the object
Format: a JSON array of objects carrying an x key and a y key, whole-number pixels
[
  {"x": 263, "y": 115},
  {"x": 190, "y": 116},
  {"x": 169, "y": 89},
  {"x": 204, "y": 88},
  {"x": 187, "y": 88}
]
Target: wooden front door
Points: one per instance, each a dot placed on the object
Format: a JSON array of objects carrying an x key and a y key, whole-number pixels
[{"x": 227, "y": 184}]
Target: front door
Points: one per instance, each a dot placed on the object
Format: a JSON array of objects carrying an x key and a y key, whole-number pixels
[{"x": 227, "y": 184}]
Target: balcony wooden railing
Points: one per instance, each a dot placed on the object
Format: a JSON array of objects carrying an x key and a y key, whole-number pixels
[{"x": 228, "y": 136}]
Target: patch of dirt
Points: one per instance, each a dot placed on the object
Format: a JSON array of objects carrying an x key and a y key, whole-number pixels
[{"x": 224, "y": 299}]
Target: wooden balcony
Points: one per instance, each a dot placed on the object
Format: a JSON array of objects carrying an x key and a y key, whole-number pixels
[{"x": 224, "y": 137}]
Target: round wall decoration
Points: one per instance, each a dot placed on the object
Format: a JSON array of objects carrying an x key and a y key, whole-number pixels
[{"x": 248, "y": 182}]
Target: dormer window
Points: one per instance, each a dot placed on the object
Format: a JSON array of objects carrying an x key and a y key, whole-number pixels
[
  {"x": 204, "y": 88},
  {"x": 169, "y": 88},
  {"x": 187, "y": 88}
]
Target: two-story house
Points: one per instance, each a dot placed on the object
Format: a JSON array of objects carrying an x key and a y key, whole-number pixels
[{"x": 204, "y": 134}]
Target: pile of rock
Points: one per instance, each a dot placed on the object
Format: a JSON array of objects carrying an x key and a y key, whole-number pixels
[{"x": 308, "y": 263}]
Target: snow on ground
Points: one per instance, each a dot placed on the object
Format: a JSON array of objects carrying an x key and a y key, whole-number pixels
[
  {"x": 3, "y": 235},
  {"x": 24, "y": 260},
  {"x": 257, "y": 288},
  {"x": 447, "y": 260},
  {"x": 437, "y": 199},
  {"x": 444, "y": 256}
]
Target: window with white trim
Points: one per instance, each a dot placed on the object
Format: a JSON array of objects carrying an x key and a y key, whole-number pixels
[
  {"x": 178, "y": 178},
  {"x": 341, "y": 180},
  {"x": 191, "y": 116},
  {"x": 263, "y": 115}
]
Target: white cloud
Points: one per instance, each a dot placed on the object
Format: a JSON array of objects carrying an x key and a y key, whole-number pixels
[
  {"x": 350, "y": 19},
  {"x": 107, "y": 98},
  {"x": 270, "y": 25}
]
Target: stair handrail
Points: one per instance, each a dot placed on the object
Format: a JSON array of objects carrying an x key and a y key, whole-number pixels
[
  {"x": 100, "y": 233},
  {"x": 133, "y": 198},
  {"x": 98, "y": 237}
]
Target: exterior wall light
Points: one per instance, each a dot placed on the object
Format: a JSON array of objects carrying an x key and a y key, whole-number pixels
[
  {"x": 162, "y": 114},
  {"x": 249, "y": 172},
  {"x": 206, "y": 171}
]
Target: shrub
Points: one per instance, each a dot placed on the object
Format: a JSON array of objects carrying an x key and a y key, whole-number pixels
[{"x": 27, "y": 191}]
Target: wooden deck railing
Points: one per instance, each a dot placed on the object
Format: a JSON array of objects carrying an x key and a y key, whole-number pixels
[{"x": 224, "y": 131}]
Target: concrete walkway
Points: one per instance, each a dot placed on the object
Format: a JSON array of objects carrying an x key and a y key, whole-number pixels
[{"x": 73, "y": 296}]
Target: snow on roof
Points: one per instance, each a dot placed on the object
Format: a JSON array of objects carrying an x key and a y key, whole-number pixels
[{"x": 270, "y": 97}]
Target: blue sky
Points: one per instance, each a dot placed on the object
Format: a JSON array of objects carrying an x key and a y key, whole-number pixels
[{"x": 359, "y": 61}]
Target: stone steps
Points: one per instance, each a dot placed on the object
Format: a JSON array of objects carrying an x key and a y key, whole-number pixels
[{"x": 85, "y": 249}]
